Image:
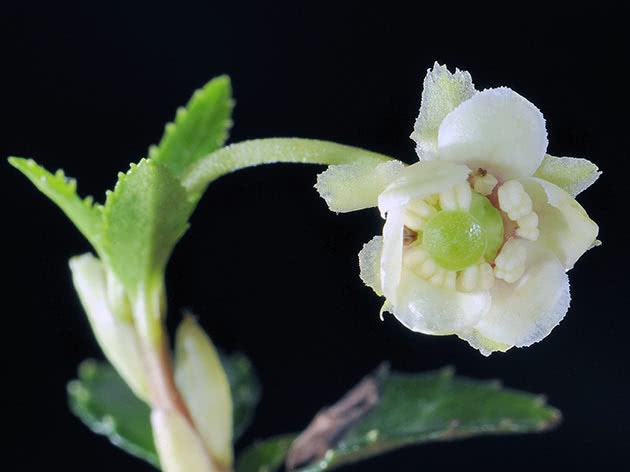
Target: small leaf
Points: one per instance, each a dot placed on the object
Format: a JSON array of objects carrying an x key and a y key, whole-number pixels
[
  {"x": 102, "y": 400},
  {"x": 199, "y": 129},
  {"x": 572, "y": 174},
  {"x": 265, "y": 456},
  {"x": 107, "y": 406},
  {"x": 144, "y": 217},
  {"x": 245, "y": 390},
  {"x": 63, "y": 191},
  {"x": 267, "y": 151},
  {"x": 414, "y": 409}
]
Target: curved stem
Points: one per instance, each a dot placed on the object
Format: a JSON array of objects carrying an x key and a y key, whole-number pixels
[{"x": 267, "y": 151}]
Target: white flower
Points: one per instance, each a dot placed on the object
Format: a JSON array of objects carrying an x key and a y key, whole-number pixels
[{"x": 480, "y": 233}]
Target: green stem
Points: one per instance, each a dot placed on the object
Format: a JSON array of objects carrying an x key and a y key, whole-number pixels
[
  {"x": 148, "y": 314},
  {"x": 267, "y": 151}
]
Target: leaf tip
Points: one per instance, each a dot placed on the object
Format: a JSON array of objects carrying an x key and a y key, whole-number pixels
[
  {"x": 447, "y": 372},
  {"x": 88, "y": 368}
]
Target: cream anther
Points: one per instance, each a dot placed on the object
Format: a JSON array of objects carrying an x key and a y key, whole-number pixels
[
  {"x": 484, "y": 184},
  {"x": 513, "y": 200},
  {"x": 417, "y": 213},
  {"x": 417, "y": 260},
  {"x": 528, "y": 226},
  {"x": 414, "y": 256},
  {"x": 457, "y": 197},
  {"x": 510, "y": 263},
  {"x": 476, "y": 277},
  {"x": 438, "y": 277},
  {"x": 468, "y": 279},
  {"x": 427, "y": 269},
  {"x": 486, "y": 276}
]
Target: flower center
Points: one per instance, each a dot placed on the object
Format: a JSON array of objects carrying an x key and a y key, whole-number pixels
[{"x": 454, "y": 239}]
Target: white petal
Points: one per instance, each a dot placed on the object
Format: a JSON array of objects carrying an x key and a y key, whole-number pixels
[
  {"x": 117, "y": 337},
  {"x": 484, "y": 345},
  {"x": 497, "y": 130},
  {"x": 370, "y": 264},
  {"x": 179, "y": 447},
  {"x": 428, "y": 309},
  {"x": 349, "y": 187},
  {"x": 203, "y": 384},
  {"x": 572, "y": 174},
  {"x": 421, "y": 180},
  {"x": 526, "y": 311},
  {"x": 391, "y": 256},
  {"x": 564, "y": 226},
  {"x": 442, "y": 92}
]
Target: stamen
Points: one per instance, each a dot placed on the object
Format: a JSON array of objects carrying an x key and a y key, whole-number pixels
[
  {"x": 421, "y": 208},
  {"x": 484, "y": 183},
  {"x": 428, "y": 268},
  {"x": 414, "y": 256},
  {"x": 476, "y": 277},
  {"x": 438, "y": 277},
  {"x": 413, "y": 221},
  {"x": 409, "y": 236},
  {"x": 432, "y": 199},
  {"x": 450, "y": 281},
  {"x": 486, "y": 276},
  {"x": 513, "y": 200},
  {"x": 417, "y": 213},
  {"x": 457, "y": 197},
  {"x": 463, "y": 195},
  {"x": 510, "y": 263},
  {"x": 417, "y": 260},
  {"x": 528, "y": 226},
  {"x": 468, "y": 279}
]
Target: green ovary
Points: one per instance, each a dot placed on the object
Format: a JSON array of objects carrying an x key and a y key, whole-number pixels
[
  {"x": 491, "y": 224},
  {"x": 459, "y": 239},
  {"x": 454, "y": 239}
]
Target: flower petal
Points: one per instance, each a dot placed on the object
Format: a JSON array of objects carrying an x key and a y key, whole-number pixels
[
  {"x": 525, "y": 311},
  {"x": 497, "y": 130},
  {"x": 391, "y": 256},
  {"x": 421, "y": 180},
  {"x": 572, "y": 174},
  {"x": 564, "y": 225},
  {"x": 442, "y": 92},
  {"x": 428, "y": 309},
  {"x": 350, "y": 187},
  {"x": 370, "y": 264}
]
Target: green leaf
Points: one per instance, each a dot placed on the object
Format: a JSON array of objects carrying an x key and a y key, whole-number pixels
[
  {"x": 199, "y": 128},
  {"x": 267, "y": 151},
  {"x": 102, "y": 400},
  {"x": 63, "y": 191},
  {"x": 144, "y": 217},
  {"x": 414, "y": 409},
  {"x": 245, "y": 390},
  {"x": 265, "y": 456},
  {"x": 107, "y": 406},
  {"x": 572, "y": 174}
]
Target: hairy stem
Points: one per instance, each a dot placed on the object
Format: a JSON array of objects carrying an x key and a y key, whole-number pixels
[{"x": 267, "y": 151}]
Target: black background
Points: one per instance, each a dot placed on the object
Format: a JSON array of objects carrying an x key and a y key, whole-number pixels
[{"x": 268, "y": 269}]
